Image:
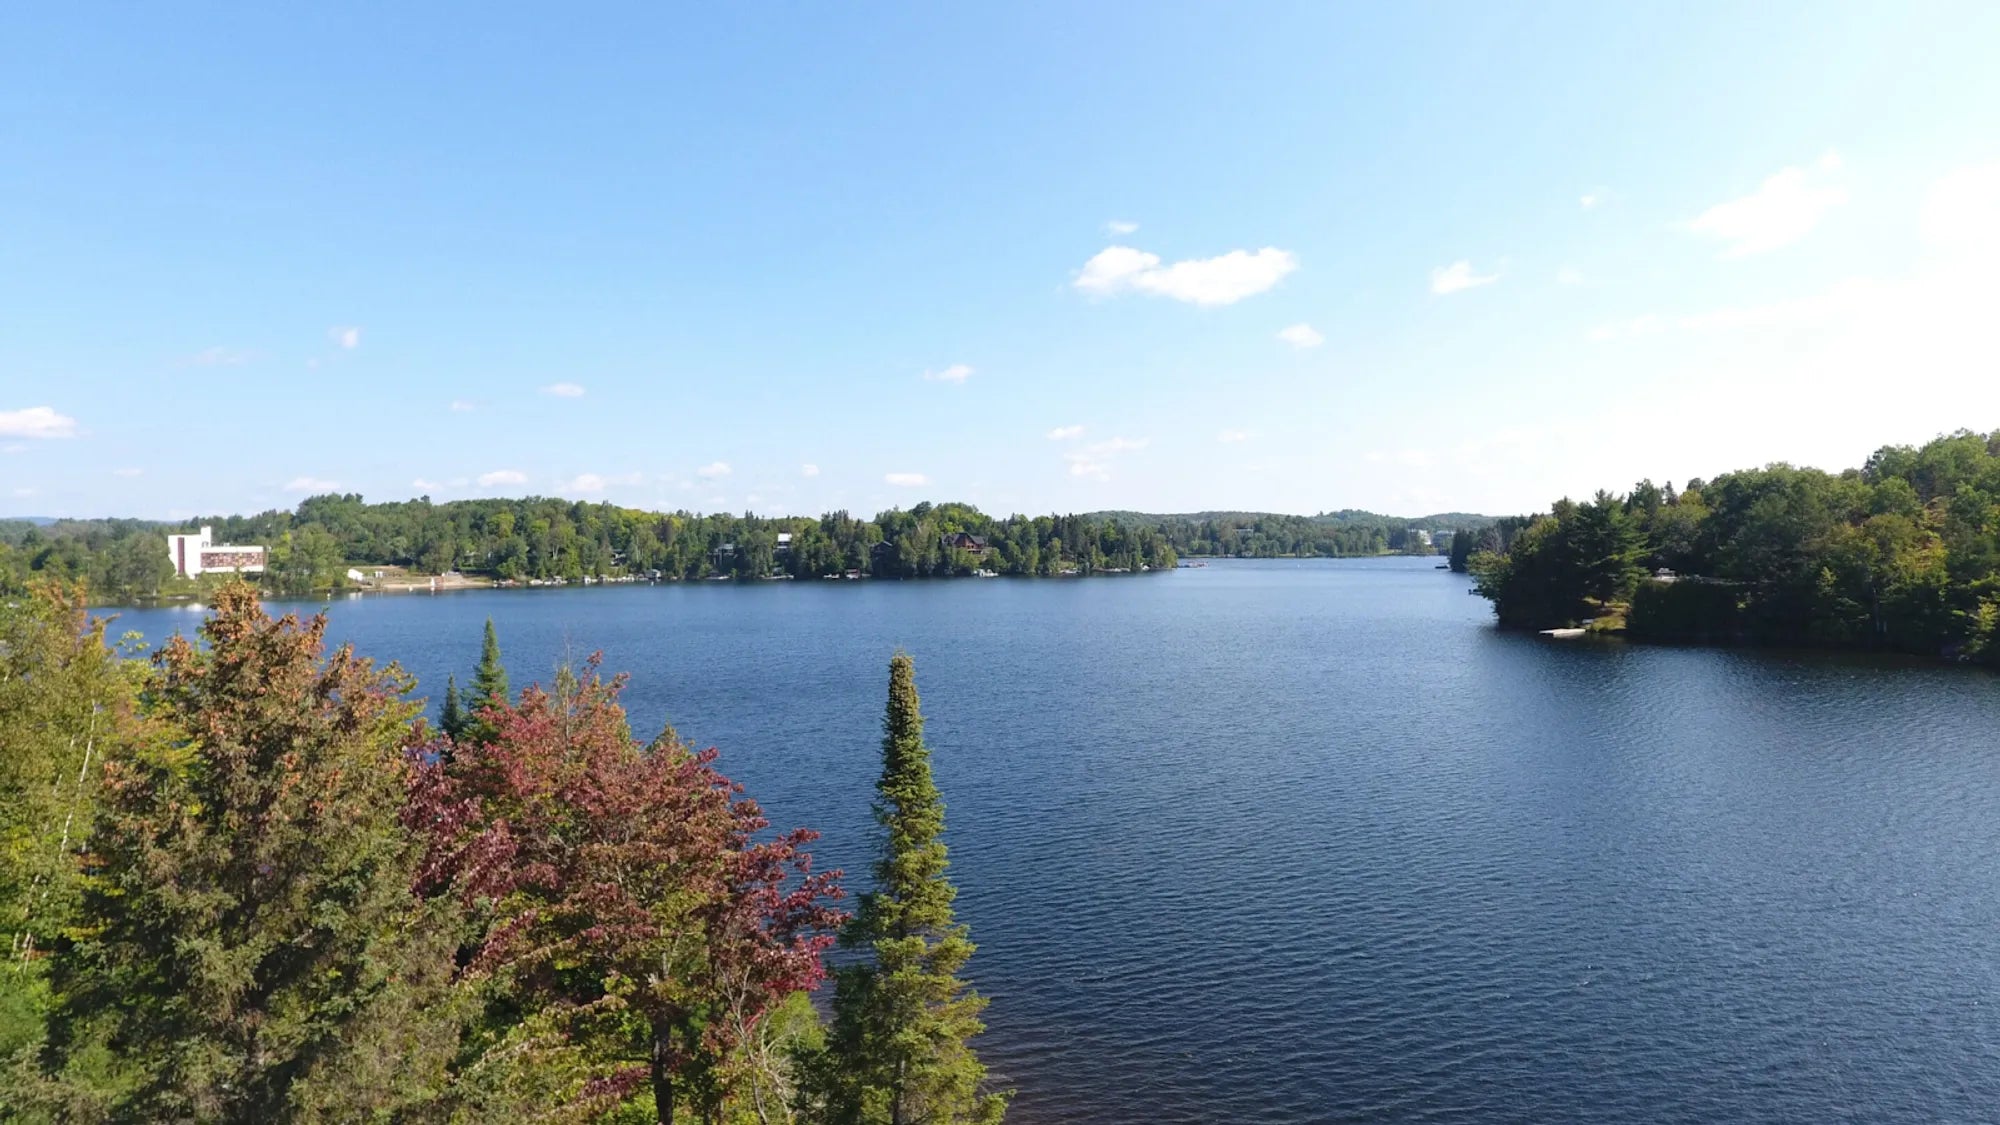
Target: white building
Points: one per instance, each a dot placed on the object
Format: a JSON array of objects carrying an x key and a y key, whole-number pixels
[{"x": 195, "y": 555}]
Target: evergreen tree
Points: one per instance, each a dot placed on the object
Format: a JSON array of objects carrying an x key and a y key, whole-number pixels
[
  {"x": 247, "y": 945},
  {"x": 898, "y": 1051},
  {"x": 451, "y": 717},
  {"x": 489, "y": 688}
]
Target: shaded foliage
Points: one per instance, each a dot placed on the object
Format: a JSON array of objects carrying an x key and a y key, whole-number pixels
[{"x": 1903, "y": 554}]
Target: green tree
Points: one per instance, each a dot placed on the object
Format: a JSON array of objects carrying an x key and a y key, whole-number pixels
[
  {"x": 248, "y": 947},
  {"x": 489, "y": 687},
  {"x": 899, "y": 1049},
  {"x": 451, "y": 716},
  {"x": 65, "y": 699}
]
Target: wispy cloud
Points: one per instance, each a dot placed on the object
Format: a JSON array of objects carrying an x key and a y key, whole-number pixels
[
  {"x": 906, "y": 480},
  {"x": 347, "y": 337},
  {"x": 1962, "y": 211},
  {"x": 40, "y": 422},
  {"x": 1094, "y": 460},
  {"x": 1407, "y": 458},
  {"x": 219, "y": 357},
  {"x": 502, "y": 476},
  {"x": 463, "y": 406},
  {"x": 24, "y": 492},
  {"x": 311, "y": 484},
  {"x": 1229, "y": 437},
  {"x": 128, "y": 473},
  {"x": 956, "y": 373},
  {"x": 1569, "y": 275},
  {"x": 1785, "y": 209},
  {"x": 1458, "y": 276},
  {"x": 1065, "y": 433},
  {"x": 1121, "y": 226},
  {"x": 1590, "y": 198},
  {"x": 714, "y": 470},
  {"x": 564, "y": 390},
  {"x": 1301, "y": 336},
  {"x": 1222, "y": 280},
  {"x": 808, "y": 470},
  {"x": 423, "y": 485}
]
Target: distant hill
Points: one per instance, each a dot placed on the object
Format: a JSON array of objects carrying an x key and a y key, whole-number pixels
[{"x": 38, "y": 521}]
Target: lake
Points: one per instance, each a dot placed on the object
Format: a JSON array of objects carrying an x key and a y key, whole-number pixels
[{"x": 1311, "y": 841}]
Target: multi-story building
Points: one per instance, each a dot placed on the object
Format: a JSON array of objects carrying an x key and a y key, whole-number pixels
[{"x": 199, "y": 554}]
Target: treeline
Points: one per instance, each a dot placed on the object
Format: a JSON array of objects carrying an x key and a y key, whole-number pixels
[
  {"x": 1265, "y": 535},
  {"x": 246, "y": 883},
  {"x": 541, "y": 538},
  {"x": 1900, "y": 554},
  {"x": 311, "y": 548}
]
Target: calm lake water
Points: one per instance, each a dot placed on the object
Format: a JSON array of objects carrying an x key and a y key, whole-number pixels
[{"x": 1311, "y": 841}]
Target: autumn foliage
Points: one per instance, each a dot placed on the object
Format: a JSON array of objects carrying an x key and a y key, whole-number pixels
[{"x": 625, "y": 891}]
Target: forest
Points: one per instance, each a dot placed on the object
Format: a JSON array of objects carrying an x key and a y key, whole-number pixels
[
  {"x": 245, "y": 882},
  {"x": 1901, "y": 554},
  {"x": 538, "y": 538}
]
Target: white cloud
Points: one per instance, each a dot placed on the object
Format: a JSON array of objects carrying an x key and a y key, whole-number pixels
[
  {"x": 1121, "y": 226},
  {"x": 218, "y": 357},
  {"x": 808, "y": 470},
  {"x": 24, "y": 492},
  {"x": 128, "y": 473},
  {"x": 1228, "y": 437},
  {"x": 906, "y": 480},
  {"x": 1592, "y": 198},
  {"x": 36, "y": 422},
  {"x": 462, "y": 406},
  {"x": 502, "y": 476},
  {"x": 713, "y": 470},
  {"x": 1458, "y": 276},
  {"x": 1785, "y": 209},
  {"x": 956, "y": 373},
  {"x": 1222, "y": 280},
  {"x": 1094, "y": 460},
  {"x": 311, "y": 484},
  {"x": 1569, "y": 275},
  {"x": 563, "y": 390},
  {"x": 1407, "y": 458},
  {"x": 1961, "y": 213},
  {"x": 348, "y": 337},
  {"x": 422, "y": 485},
  {"x": 13, "y": 447},
  {"x": 1302, "y": 336},
  {"x": 598, "y": 482},
  {"x": 1065, "y": 433}
]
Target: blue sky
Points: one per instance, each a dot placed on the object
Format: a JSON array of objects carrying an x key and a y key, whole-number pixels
[{"x": 1037, "y": 257}]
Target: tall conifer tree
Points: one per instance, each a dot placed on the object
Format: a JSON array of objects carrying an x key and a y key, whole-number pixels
[
  {"x": 451, "y": 718},
  {"x": 489, "y": 687},
  {"x": 898, "y": 1052}
]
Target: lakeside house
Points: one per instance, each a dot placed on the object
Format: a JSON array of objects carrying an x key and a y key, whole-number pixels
[
  {"x": 964, "y": 541},
  {"x": 199, "y": 554}
]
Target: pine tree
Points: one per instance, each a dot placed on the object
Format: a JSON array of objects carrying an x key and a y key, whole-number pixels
[
  {"x": 489, "y": 688},
  {"x": 247, "y": 941},
  {"x": 451, "y": 717},
  {"x": 898, "y": 1051}
]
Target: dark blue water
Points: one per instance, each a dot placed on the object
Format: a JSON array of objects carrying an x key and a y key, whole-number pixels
[{"x": 1310, "y": 841}]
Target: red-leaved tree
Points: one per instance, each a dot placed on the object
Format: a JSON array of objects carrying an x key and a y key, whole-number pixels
[{"x": 628, "y": 891}]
